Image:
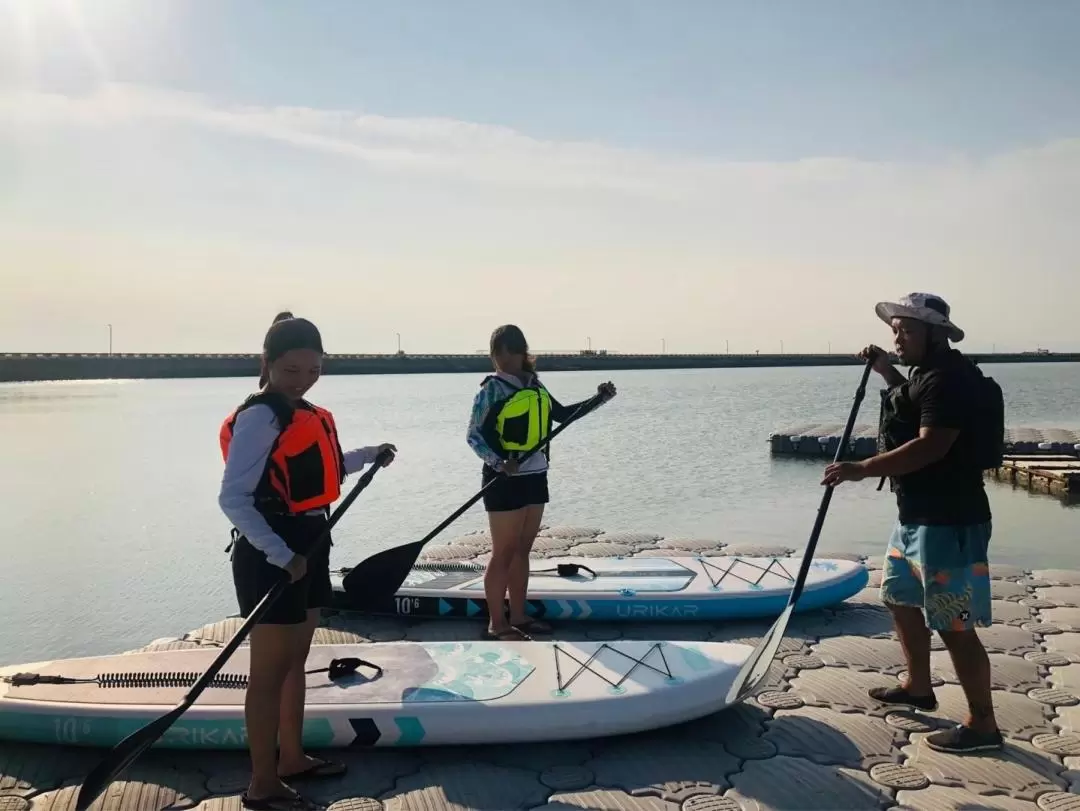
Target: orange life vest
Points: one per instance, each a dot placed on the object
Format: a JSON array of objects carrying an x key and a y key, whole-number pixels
[{"x": 306, "y": 465}]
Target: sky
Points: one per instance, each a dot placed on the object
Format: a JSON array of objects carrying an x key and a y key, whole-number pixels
[{"x": 691, "y": 175}]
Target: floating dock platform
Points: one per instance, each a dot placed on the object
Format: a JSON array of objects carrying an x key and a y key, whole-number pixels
[
  {"x": 821, "y": 439},
  {"x": 811, "y": 739},
  {"x": 1042, "y": 460}
]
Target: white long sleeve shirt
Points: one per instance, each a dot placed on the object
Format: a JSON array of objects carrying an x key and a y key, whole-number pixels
[{"x": 254, "y": 433}]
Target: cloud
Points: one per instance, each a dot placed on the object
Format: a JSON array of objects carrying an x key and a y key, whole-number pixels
[
  {"x": 426, "y": 145},
  {"x": 647, "y": 242},
  {"x": 1013, "y": 209},
  {"x": 500, "y": 155}
]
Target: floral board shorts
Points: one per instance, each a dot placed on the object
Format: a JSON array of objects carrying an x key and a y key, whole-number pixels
[{"x": 942, "y": 570}]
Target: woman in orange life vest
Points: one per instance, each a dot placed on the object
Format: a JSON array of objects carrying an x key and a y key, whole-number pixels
[
  {"x": 515, "y": 505},
  {"x": 283, "y": 469}
]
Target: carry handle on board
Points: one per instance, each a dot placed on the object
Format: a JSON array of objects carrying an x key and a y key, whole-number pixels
[
  {"x": 379, "y": 577},
  {"x": 125, "y": 752},
  {"x": 755, "y": 669}
]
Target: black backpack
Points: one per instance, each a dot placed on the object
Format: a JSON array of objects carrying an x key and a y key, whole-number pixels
[{"x": 989, "y": 420}]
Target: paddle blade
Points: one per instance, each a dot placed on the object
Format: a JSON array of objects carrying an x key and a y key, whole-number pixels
[
  {"x": 756, "y": 668},
  {"x": 377, "y": 579},
  {"x": 122, "y": 755}
]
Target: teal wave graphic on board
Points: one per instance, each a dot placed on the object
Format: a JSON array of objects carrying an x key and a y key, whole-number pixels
[{"x": 468, "y": 672}]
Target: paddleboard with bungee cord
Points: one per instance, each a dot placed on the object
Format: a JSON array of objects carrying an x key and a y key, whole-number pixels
[
  {"x": 382, "y": 694},
  {"x": 612, "y": 589}
]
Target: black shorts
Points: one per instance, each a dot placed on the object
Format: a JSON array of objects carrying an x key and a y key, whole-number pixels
[
  {"x": 514, "y": 492},
  {"x": 254, "y": 575}
]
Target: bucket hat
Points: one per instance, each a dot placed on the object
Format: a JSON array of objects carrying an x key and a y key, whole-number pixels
[{"x": 926, "y": 307}]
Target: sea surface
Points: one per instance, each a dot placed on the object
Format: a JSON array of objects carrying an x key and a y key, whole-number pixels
[{"x": 111, "y": 535}]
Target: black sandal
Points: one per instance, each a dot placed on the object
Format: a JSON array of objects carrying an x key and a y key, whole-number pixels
[
  {"x": 511, "y": 634},
  {"x": 534, "y": 626},
  {"x": 319, "y": 770},
  {"x": 279, "y": 803}
]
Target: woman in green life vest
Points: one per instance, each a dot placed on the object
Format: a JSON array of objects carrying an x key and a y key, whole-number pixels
[{"x": 512, "y": 414}]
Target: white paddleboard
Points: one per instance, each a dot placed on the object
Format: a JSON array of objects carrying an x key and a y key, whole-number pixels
[
  {"x": 633, "y": 588},
  {"x": 428, "y": 693}
]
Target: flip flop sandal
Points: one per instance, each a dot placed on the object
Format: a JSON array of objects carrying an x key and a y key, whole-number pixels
[
  {"x": 534, "y": 627},
  {"x": 509, "y": 635},
  {"x": 319, "y": 770},
  {"x": 279, "y": 803}
]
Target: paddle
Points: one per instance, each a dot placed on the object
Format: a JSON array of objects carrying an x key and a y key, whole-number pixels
[
  {"x": 379, "y": 577},
  {"x": 122, "y": 755},
  {"x": 757, "y": 666}
]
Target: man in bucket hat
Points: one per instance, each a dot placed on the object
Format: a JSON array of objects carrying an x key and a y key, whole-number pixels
[{"x": 936, "y": 575}]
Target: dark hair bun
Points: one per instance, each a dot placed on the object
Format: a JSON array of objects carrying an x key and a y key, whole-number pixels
[
  {"x": 284, "y": 315},
  {"x": 287, "y": 333}
]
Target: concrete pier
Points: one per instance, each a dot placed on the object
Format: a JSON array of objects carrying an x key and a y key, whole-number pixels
[
  {"x": 811, "y": 739},
  {"x": 42, "y": 366}
]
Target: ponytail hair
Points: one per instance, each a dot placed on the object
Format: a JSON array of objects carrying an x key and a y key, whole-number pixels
[{"x": 286, "y": 333}]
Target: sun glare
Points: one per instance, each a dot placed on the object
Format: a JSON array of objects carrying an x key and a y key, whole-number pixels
[{"x": 33, "y": 20}]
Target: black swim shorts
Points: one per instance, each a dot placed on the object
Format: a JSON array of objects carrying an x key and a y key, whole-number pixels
[
  {"x": 254, "y": 576},
  {"x": 514, "y": 492}
]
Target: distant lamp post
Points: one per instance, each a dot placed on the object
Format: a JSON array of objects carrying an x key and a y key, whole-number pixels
[
  {"x": 663, "y": 346},
  {"x": 110, "y": 337},
  {"x": 398, "y": 334}
]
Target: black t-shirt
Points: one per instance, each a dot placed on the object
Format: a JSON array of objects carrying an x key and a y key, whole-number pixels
[{"x": 940, "y": 394}]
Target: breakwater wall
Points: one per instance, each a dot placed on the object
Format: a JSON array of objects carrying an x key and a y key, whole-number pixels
[{"x": 31, "y": 367}]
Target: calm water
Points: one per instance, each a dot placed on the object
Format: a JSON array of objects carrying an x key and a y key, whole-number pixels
[{"x": 112, "y": 536}]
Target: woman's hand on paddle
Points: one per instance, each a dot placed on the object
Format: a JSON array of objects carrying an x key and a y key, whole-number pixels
[
  {"x": 297, "y": 567},
  {"x": 843, "y": 472},
  {"x": 606, "y": 389},
  {"x": 509, "y": 467},
  {"x": 386, "y": 446}
]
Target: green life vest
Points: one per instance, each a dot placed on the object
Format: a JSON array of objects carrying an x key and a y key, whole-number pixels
[{"x": 521, "y": 422}]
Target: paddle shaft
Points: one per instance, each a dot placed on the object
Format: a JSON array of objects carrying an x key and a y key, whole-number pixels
[
  {"x": 125, "y": 752},
  {"x": 581, "y": 411},
  {"x": 826, "y": 498},
  {"x": 766, "y": 649},
  {"x": 283, "y": 583}
]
